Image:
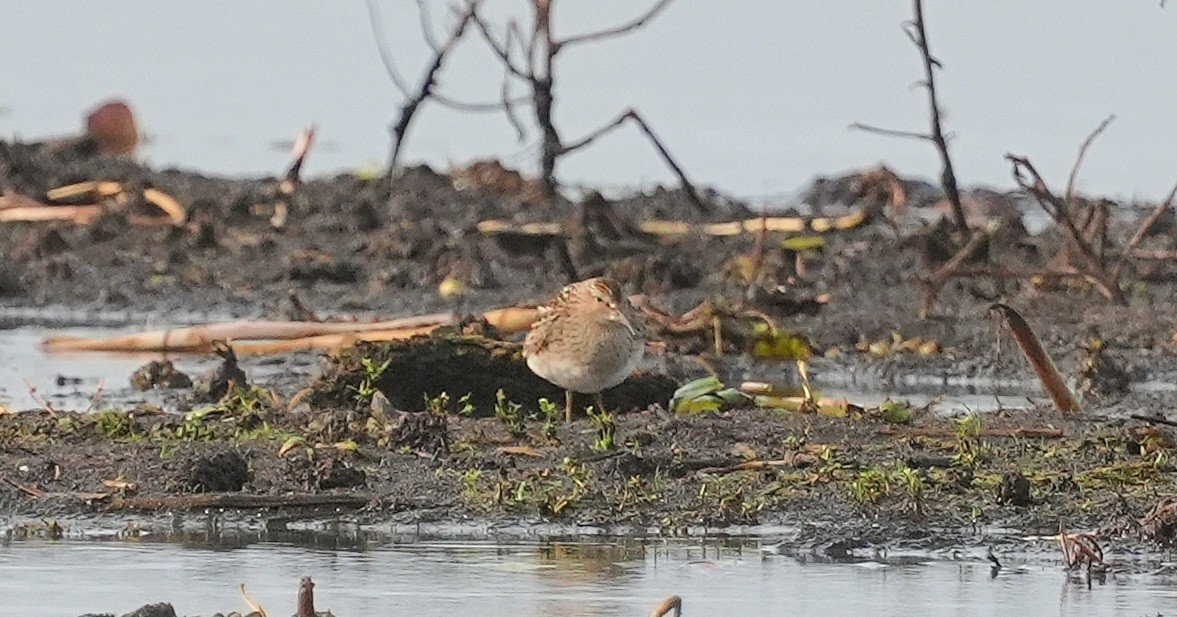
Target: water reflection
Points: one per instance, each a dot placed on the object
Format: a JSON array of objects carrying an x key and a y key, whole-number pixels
[{"x": 591, "y": 578}]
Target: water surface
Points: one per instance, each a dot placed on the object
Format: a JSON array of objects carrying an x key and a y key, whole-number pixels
[{"x": 427, "y": 578}]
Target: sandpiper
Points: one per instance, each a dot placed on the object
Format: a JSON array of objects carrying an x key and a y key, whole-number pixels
[{"x": 587, "y": 339}]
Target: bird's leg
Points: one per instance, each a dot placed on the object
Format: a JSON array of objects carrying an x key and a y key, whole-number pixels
[
  {"x": 600, "y": 401},
  {"x": 568, "y": 407}
]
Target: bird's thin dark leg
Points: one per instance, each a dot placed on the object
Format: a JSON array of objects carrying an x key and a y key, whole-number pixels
[
  {"x": 600, "y": 401},
  {"x": 568, "y": 406}
]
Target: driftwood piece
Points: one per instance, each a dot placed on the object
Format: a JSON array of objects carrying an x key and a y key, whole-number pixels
[
  {"x": 237, "y": 501},
  {"x": 18, "y": 208},
  {"x": 757, "y": 225},
  {"x": 270, "y": 337},
  {"x": 1015, "y": 433}
]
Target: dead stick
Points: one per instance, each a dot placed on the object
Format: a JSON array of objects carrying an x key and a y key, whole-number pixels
[
  {"x": 1070, "y": 194},
  {"x": 32, "y": 492},
  {"x": 948, "y": 175},
  {"x": 920, "y": 431},
  {"x": 1153, "y": 419},
  {"x": 1052, "y": 381},
  {"x": 425, "y": 89},
  {"x": 935, "y": 282},
  {"x": 236, "y": 500},
  {"x": 1141, "y": 232}
]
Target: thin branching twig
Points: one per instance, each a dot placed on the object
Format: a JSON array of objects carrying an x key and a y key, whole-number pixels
[{"x": 917, "y": 32}]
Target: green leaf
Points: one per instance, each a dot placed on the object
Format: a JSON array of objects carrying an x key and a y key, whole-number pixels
[
  {"x": 803, "y": 243},
  {"x": 895, "y": 413}
]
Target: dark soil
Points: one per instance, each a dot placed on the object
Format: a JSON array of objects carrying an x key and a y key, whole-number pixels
[{"x": 387, "y": 441}]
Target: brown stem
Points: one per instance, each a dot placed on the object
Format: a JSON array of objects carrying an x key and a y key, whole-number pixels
[
  {"x": 306, "y": 598},
  {"x": 935, "y": 282},
  {"x": 947, "y": 176},
  {"x": 638, "y": 22},
  {"x": 1070, "y": 194},
  {"x": 1052, "y": 381},
  {"x": 1141, "y": 232},
  {"x": 425, "y": 90},
  {"x": 1028, "y": 178}
]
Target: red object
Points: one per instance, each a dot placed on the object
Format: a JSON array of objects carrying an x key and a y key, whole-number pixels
[{"x": 112, "y": 128}]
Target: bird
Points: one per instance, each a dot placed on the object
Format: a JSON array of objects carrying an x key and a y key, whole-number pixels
[{"x": 587, "y": 339}]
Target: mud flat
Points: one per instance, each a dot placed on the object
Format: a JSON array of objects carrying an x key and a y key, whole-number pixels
[{"x": 376, "y": 443}]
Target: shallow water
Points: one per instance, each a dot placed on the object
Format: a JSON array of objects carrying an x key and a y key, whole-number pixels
[
  {"x": 32, "y": 379},
  {"x": 521, "y": 580}
]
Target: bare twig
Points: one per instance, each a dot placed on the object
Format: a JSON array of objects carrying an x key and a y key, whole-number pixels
[
  {"x": 640, "y": 21},
  {"x": 858, "y": 126},
  {"x": 1070, "y": 194},
  {"x": 1028, "y": 178},
  {"x": 947, "y": 176},
  {"x": 950, "y": 269},
  {"x": 425, "y": 90},
  {"x": 536, "y": 68},
  {"x": 1010, "y": 433},
  {"x": 917, "y": 32},
  {"x": 378, "y": 34},
  {"x": 1153, "y": 419},
  {"x": 1141, "y": 232},
  {"x": 426, "y": 21}
]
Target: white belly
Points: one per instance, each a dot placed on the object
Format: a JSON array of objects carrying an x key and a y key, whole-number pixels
[{"x": 605, "y": 370}]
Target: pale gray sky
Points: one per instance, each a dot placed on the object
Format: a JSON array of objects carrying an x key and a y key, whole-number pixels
[{"x": 754, "y": 96}]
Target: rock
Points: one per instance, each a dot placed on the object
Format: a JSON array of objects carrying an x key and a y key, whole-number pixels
[
  {"x": 341, "y": 475},
  {"x": 159, "y": 374},
  {"x": 225, "y": 471},
  {"x": 214, "y": 385},
  {"x": 1014, "y": 490},
  {"x": 1160, "y": 525}
]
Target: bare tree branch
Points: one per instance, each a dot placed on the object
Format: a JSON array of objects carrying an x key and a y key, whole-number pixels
[
  {"x": 426, "y": 25},
  {"x": 1070, "y": 194},
  {"x": 636, "y": 118},
  {"x": 858, "y": 126},
  {"x": 948, "y": 175},
  {"x": 412, "y": 103},
  {"x": 1028, "y": 178},
  {"x": 376, "y": 22},
  {"x": 1141, "y": 232},
  {"x": 591, "y": 137},
  {"x": 616, "y": 31},
  {"x": 918, "y": 35},
  {"x": 501, "y": 51}
]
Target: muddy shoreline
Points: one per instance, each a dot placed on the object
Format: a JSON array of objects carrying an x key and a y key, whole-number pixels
[{"x": 364, "y": 247}]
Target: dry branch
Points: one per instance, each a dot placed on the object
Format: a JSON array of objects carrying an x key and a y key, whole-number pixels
[
  {"x": 1070, "y": 194},
  {"x": 1028, "y": 178},
  {"x": 677, "y": 228},
  {"x": 236, "y": 500},
  {"x": 1012, "y": 433},
  {"x": 950, "y": 269},
  {"x": 1141, "y": 232},
  {"x": 535, "y": 67},
  {"x": 918, "y": 34},
  {"x": 263, "y": 338},
  {"x": 1039, "y": 360},
  {"x": 428, "y": 82}
]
